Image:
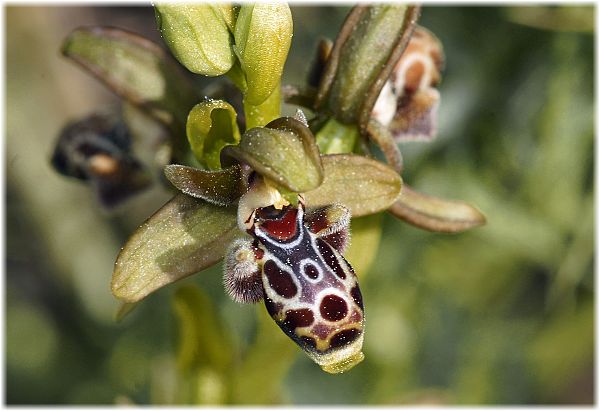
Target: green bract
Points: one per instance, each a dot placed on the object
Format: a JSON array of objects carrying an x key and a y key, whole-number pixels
[
  {"x": 263, "y": 34},
  {"x": 211, "y": 126},
  {"x": 198, "y": 35}
]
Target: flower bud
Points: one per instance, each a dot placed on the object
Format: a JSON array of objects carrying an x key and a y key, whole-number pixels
[
  {"x": 263, "y": 34},
  {"x": 369, "y": 44},
  {"x": 198, "y": 36}
]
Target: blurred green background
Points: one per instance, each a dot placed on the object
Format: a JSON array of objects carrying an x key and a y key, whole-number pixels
[{"x": 503, "y": 314}]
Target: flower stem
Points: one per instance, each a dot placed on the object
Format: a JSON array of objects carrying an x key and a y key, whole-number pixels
[
  {"x": 336, "y": 137},
  {"x": 265, "y": 112}
]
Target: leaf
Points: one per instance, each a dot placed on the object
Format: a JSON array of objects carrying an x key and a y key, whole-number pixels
[
  {"x": 435, "y": 214},
  {"x": 268, "y": 359},
  {"x": 364, "y": 185},
  {"x": 198, "y": 36},
  {"x": 202, "y": 339},
  {"x": 284, "y": 151},
  {"x": 222, "y": 187},
  {"x": 133, "y": 67},
  {"x": 185, "y": 236},
  {"x": 211, "y": 125},
  {"x": 137, "y": 70}
]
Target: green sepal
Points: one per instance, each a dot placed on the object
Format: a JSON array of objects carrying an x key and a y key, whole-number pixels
[
  {"x": 222, "y": 187},
  {"x": 183, "y": 237},
  {"x": 263, "y": 35},
  {"x": 124, "y": 310},
  {"x": 211, "y": 125},
  {"x": 284, "y": 151},
  {"x": 198, "y": 36},
  {"x": 229, "y": 13},
  {"x": 436, "y": 214},
  {"x": 364, "y": 185}
]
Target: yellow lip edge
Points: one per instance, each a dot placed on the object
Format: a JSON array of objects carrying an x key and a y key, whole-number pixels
[{"x": 342, "y": 359}]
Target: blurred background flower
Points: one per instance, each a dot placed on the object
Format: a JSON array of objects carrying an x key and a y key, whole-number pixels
[{"x": 499, "y": 315}]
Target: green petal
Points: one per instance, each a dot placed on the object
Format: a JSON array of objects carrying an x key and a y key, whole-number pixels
[
  {"x": 198, "y": 36},
  {"x": 211, "y": 125},
  {"x": 285, "y": 152},
  {"x": 364, "y": 185},
  {"x": 185, "y": 236},
  {"x": 436, "y": 214},
  {"x": 221, "y": 187}
]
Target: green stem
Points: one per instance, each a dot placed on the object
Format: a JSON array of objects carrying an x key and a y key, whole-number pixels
[
  {"x": 335, "y": 137},
  {"x": 237, "y": 76},
  {"x": 265, "y": 112}
]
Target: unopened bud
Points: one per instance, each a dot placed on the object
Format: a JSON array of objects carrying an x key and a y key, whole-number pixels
[
  {"x": 198, "y": 36},
  {"x": 263, "y": 35}
]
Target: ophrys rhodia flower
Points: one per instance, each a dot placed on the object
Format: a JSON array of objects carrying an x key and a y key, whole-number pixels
[{"x": 279, "y": 213}]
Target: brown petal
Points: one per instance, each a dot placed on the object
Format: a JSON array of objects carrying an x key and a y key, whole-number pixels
[{"x": 221, "y": 187}]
